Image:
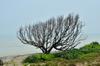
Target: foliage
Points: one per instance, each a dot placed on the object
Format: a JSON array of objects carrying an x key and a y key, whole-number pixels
[
  {"x": 38, "y": 58},
  {"x": 47, "y": 56},
  {"x": 92, "y": 47},
  {"x": 86, "y": 53},
  {"x": 71, "y": 54}
]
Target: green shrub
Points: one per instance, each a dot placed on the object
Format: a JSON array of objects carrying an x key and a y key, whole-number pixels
[
  {"x": 81, "y": 53},
  {"x": 47, "y": 56},
  {"x": 59, "y": 54},
  {"x": 71, "y": 54},
  {"x": 95, "y": 43},
  {"x": 38, "y": 58},
  {"x": 92, "y": 47}
]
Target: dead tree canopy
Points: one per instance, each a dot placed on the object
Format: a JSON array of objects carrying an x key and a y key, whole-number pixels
[{"x": 61, "y": 33}]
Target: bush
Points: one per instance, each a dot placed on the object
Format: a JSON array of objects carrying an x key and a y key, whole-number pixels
[
  {"x": 92, "y": 47},
  {"x": 47, "y": 56},
  {"x": 83, "y": 52},
  {"x": 38, "y": 58},
  {"x": 71, "y": 54},
  {"x": 59, "y": 54},
  {"x": 33, "y": 58},
  {"x": 95, "y": 43}
]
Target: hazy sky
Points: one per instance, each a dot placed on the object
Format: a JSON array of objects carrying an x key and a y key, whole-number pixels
[{"x": 14, "y": 13}]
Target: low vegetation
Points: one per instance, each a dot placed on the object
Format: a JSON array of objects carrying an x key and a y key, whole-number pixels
[
  {"x": 39, "y": 58},
  {"x": 87, "y": 54}
]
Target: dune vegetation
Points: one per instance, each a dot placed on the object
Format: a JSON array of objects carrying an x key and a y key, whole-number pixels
[{"x": 88, "y": 55}]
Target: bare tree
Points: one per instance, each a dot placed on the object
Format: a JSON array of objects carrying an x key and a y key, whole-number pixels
[{"x": 62, "y": 33}]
